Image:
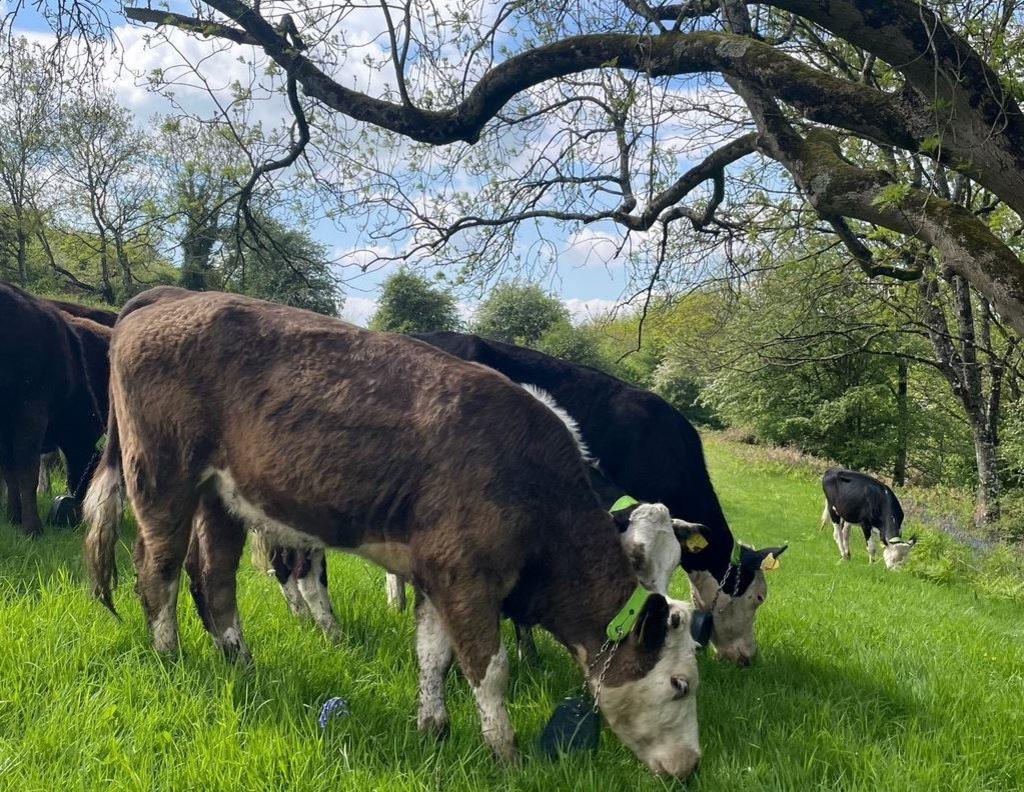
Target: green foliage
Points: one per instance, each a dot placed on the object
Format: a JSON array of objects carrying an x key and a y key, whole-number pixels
[
  {"x": 283, "y": 265},
  {"x": 519, "y": 314},
  {"x": 578, "y": 344},
  {"x": 409, "y": 303}
]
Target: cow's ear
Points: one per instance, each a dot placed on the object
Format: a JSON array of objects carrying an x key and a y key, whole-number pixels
[
  {"x": 766, "y": 558},
  {"x": 693, "y": 536},
  {"x": 652, "y": 624}
]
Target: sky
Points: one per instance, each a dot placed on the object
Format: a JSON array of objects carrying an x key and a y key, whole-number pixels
[{"x": 588, "y": 276}]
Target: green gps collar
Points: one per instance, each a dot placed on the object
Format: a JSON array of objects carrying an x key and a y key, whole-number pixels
[
  {"x": 624, "y": 621},
  {"x": 623, "y": 503}
]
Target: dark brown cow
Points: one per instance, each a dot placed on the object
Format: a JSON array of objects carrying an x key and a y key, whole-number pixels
[
  {"x": 47, "y": 401},
  {"x": 98, "y": 315},
  {"x": 226, "y": 410}
]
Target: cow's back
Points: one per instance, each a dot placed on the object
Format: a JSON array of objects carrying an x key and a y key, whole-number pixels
[
  {"x": 646, "y": 446},
  {"x": 37, "y": 355},
  {"x": 374, "y": 430}
]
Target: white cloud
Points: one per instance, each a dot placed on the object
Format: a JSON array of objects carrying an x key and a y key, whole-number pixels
[
  {"x": 585, "y": 309},
  {"x": 358, "y": 310}
]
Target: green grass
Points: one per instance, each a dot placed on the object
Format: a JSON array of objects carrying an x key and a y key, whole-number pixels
[{"x": 866, "y": 680}]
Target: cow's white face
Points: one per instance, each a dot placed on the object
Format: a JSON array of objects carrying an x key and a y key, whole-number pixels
[
  {"x": 896, "y": 553},
  {"x": 651, "y": 546},
  {"x": 732, "y": 630},
  {"x": 655, "y": 715}
]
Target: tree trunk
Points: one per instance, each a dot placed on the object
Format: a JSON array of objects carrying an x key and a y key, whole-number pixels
[
  {"x": 899, "y": 469},
  {"x": 107, "y": 288},
  {"x": 986, "y": 508},
  {"x": 22, "y": 256},
  {"x": 124, "y": 265},
  {"x": 197, "y": 247}
]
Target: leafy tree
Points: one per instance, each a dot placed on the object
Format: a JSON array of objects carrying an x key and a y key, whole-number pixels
[
  {"x": 409, "y": 303},
  {"x": 280, "y": 264},
  {"x": 577, "y": 344},
  {"x": 519, "y": 314}
]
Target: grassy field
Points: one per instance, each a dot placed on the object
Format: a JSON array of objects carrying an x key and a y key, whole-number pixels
[{"x": 866, "y": 680}]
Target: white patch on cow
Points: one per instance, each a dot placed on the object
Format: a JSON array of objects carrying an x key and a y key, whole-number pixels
[
  {"x": 434, "y": 654},
  {"x": 874, "y": 545},
  {"x": 395, "y": 557},
  {"x": 896, "y": 554},
  {"x": 317, "y": 598},
  {"x": 274, "y": 532},
  {"x": 230, "y": 641},
  {"x": 165, "y": 625},
  {"x": 490, "y": 701},
  {"x": 651, "y": 545},
  {"x": 732, "y": 631},
  {"x": 651, "y": 715},
  {"x": 394, "y": 585},
  {"x": 548, "y": 401},
  {"x": 292, "y": 595}
]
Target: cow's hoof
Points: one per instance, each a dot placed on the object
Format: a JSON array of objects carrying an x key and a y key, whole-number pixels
[
  {"x": 434, "y": 726},
  {"x": 507, "y": 755},
  {"x": 334, "y": 635}
]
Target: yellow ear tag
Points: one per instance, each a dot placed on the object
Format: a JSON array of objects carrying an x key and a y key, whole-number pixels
[
  {"x": 770, "y": 563},
  {"x": 696, "y": 542}
]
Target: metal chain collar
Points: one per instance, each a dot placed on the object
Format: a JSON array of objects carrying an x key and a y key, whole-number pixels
[{"x": 609, "y": 647}]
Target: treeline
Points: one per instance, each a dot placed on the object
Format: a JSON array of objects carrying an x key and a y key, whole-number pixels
[
  {"x": 917, "y": 381},
  {"x": 95, "y": 204}
]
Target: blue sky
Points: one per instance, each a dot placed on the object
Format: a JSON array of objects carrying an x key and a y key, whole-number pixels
[{"x": 586, "y": 275}]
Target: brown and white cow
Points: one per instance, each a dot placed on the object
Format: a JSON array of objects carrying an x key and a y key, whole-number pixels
[
  {"x": 226, "y": 409},
  {"x": 648, "y": 533}
]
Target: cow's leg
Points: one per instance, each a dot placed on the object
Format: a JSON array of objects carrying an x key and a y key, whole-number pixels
[
  {"x": 81, "y": 462},
  {"x": 217, "y": 543},
  {"x": 46, "y": 465},
  {"x": 841, "y": 533},
  {"x": 164, "y": 532},
  {"x": 873, "y": 539},
  {"x": 27, "y": 476},
  {"x": 312, "y": 583},
  {"x": 472, "y": 615},
  {"x": 394, "y": 585},
  {"x": 434, "y": 653},
  {"x": 283, "y": 562},
  {"x": 13, "y": 496},
  {"x": 526, "y": 649},
  {"x": 28, "y": 428}
]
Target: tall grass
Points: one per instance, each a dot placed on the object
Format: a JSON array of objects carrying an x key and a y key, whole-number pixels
[{"x": 866, "y": 680}]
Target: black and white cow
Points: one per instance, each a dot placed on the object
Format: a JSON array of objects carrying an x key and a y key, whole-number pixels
[
  {"x": 857, "y": 498},
  {"x": 648, "y": 449}
]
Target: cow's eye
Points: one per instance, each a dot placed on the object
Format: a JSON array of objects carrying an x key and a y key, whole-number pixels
[{"x": 680, "y": 687}]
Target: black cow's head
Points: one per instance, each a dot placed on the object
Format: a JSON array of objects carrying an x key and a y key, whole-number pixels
[{"x": 734, "y": 607}]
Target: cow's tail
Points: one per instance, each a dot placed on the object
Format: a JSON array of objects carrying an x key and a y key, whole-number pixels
[
  {"x": 259, "y": 550},
  {"x": 102, "y": 507},
  {"x": 826, "y": 516}
]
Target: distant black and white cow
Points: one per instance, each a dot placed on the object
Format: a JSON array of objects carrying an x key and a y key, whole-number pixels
[{"x": 857, "y": 498}]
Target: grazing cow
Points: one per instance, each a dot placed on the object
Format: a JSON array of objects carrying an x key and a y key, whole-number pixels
[
  {"x": 651, "y": 451},
  {"x": 649, "y": 535},
  {"x": 226, "y": 409},
  {"x": 852, "y": 497},
  {"x": 48, "y": 364}
]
